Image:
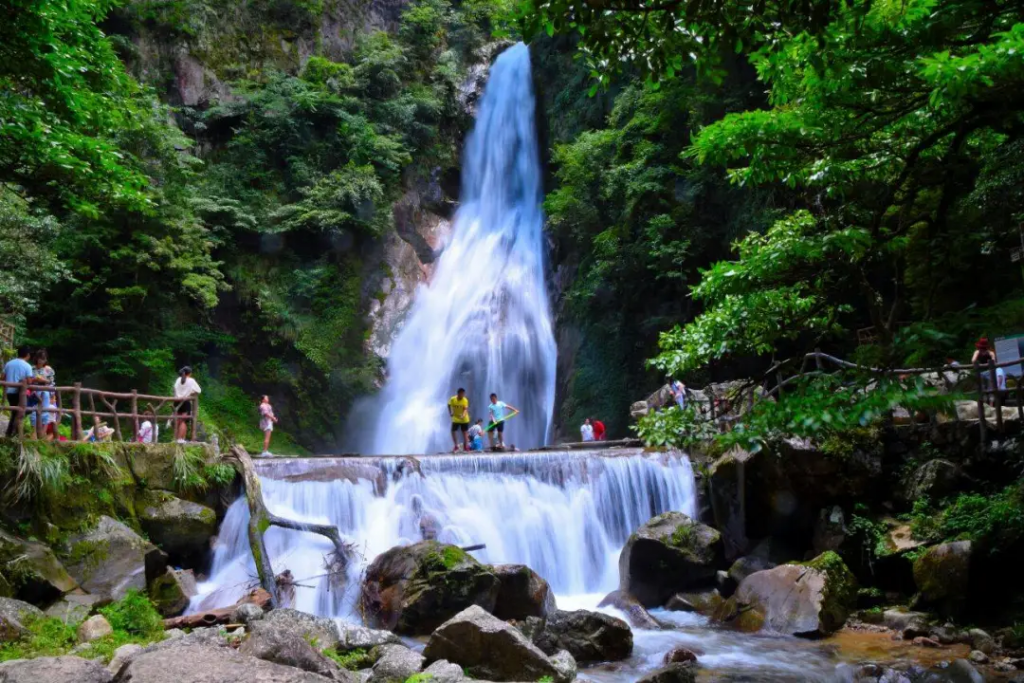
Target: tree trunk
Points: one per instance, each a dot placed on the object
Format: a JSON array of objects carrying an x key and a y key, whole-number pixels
[{"x": 261, "y": 519}]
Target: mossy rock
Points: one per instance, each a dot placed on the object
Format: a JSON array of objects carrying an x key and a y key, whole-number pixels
[
  {"x": 171, "y": 592},
  {"x": 810, "y": 599},
  {"x": 180, "y": 527},
  {"x": 32, "y": 571},
  {"x": 109, "y": 559},
  {"x": 414, "y": 589},
  {"x": 669, "y": 554},
  {"x": 942, "y": 574}
]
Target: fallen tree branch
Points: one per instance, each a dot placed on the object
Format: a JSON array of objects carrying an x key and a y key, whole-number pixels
[
  {"x": 221, "y": 615},
  {"x": 261, "y": 519}
]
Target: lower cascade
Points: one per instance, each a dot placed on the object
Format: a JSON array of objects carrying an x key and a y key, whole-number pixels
[{"x": 564, "y": 515}]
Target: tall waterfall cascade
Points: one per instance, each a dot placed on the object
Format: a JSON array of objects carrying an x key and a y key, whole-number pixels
[
  {"x": 483, "y": 322},
  {"x": 565, "y": 515}
]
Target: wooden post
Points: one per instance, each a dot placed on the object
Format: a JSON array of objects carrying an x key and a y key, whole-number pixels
[
  {"x": 981, "y": 404},
  {"x": 997, "y": 395},
  {"x": 39, "y": 417},
  {"x": 135, "y": 414},
  {"x": 76, "y": 413},
  {"x": 22, "y": 408},
  {"x": 195, "y": 418},
  {"x": 1020, "y": 404}
]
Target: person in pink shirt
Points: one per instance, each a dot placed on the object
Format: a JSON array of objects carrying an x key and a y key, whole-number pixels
[{"x": 267, "y": 420}]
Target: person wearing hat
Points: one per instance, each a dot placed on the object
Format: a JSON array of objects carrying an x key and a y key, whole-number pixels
[
  {"x": 983, "y": 355},
  {"x": 184, "y": 389}
]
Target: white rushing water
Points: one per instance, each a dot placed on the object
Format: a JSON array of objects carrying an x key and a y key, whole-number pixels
[
  {"x": 483, "y": 321},
  {"x": 564, "y": 515}
]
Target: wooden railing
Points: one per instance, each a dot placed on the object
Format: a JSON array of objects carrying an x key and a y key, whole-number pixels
[
  {"x": 748, "y": 393},
  {"x": 98, "y": 407}
]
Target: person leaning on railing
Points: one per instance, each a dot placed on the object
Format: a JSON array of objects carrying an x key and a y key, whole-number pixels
[
  {"x": 185, "y": 389},
  {"x": 16, "y": 371}
]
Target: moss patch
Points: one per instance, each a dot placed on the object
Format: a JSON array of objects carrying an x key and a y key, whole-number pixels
[
  {"x": 353, "y": 660},
  {"x": 840, "y": 593}
]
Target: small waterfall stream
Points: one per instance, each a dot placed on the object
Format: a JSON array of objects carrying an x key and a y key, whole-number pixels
[{"x": 566, "y": 515}]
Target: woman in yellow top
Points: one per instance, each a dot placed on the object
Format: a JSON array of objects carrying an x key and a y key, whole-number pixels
[{"x": 458, "y": 408}]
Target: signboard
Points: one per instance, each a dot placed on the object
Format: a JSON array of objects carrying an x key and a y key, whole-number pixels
[{"x": 1010, "y": 348}]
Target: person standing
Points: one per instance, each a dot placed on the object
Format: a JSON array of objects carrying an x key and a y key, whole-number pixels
[
  {"x": 500, "y": 411},
  {"x": 43, "y": 375},
  {"x": 599, "y": 432},
  {"x": 983, "y": 355},
  {"x": 16, "y": 371},
  {"x": 678, "y": 393},
  {"x": 458, "y": 409},
  {"x": 267, "y": 421},
  {"x": 185, "y": 388},
  {"x": 587, "y": 430}
]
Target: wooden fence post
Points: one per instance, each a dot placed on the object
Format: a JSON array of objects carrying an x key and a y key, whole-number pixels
[
  {"x": 981, "y": 404},
  {"x": 76, "y": 413},
  {"x": 195, "y": 417},
  {"x": 22, "y": 408},
  {"x": 135, "y": 414},
  {"x": 997, "y": 396}
]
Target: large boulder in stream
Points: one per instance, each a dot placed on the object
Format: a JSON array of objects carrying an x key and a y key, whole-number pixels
[
  {"x": 636, "y": 614},
  {"x": 667, "y": 555},
  {"x": 810, "y": 600},
  {"x": 209, "y": 664},
  {"x": 413, "y": 589},
  {"x": 587, "y": 636},
  {"x": 488, "y": 648},
  {"x": 523, "y": 593},
  {"x": 109, "y": 560}
]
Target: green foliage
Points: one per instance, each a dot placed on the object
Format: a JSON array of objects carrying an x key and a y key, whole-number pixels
[
  {"x": 28, "y": 264},
  {"x": 135, "y": 615},
  {"x": 674, "y": 427},
  {"x": 995, "y": 522},
  {"x": 351, "y": 660},
  {"x": 133, "y": 619}
]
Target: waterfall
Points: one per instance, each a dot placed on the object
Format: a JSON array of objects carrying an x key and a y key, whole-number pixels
[
  {"x": 483, "y": 321},
  {"x": 566, "y": 515}
]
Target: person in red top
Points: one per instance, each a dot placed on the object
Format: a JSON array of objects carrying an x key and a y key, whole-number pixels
[{"x": 598, "y": 429}]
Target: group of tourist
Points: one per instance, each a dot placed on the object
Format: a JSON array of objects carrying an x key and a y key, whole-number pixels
[
  {"x": 472, "y": 436},
  {"x": 31, "y": 371},
  {"x": 592, "y": 430}
]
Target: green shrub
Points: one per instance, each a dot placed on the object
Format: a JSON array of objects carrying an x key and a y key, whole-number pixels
[{"x": 135, "y": 615}]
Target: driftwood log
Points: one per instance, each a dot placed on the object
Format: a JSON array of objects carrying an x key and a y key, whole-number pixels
[
  {"x": 261, "y": 519},
  {"x": 221, "y": 615}
]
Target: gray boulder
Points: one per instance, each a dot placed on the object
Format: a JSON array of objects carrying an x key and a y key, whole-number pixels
[
  {"x": 935, "y": 479},
  {"x": 246, "y": 613},
  {"x": 207, "y": 664},
  {"x": 41, "y": 576},
  {"x": 942, "y": 574},
  {"x": 488, "y": 648},
  {"x": 810, "y": 600},
  {"x": 747, "y": 565},
  {"x": 962, "y": 671},
  {"x": 443, "y": 671},
  {"x": 672, "y": 673},
  {"x": 171, "y": 592},
  {"x": 321, "y": 631},
  {"x": 910, "y": 624},
  {"x": 636, "y": 614},
  {"x": 396, "y": 664},
  {"x": 413, "y": 589},
  {"x": 353, "y": 637},
  {"x": 704, "y": 601},
  {"x": 122, "y": 656},
  {"x": 94, "y": 628},
  {"x": 109, "y": 560},
  {"x": 74, "y": 607},
  {"x": 53, "y": 670},
  {"x": 587, "y": 636},
  {"x": 13, "y": 615},
  {"x": 667, "y": 555},
  {"x": 522, "y": 593},
  {"x": 288, "y": 648},
  {"x": 180, "y": 527}
]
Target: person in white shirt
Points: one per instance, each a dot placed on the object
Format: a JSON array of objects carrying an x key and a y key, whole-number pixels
[
  {"x": 587, "y": 430},
  {"x": 184, "y": 389}
]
